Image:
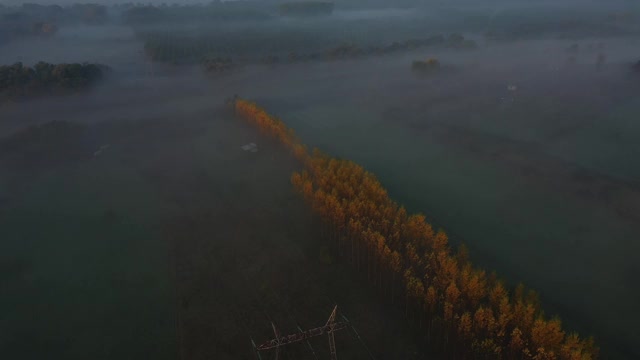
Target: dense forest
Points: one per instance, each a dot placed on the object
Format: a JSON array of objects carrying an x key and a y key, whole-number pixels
[
  {"x": 18, "y": 81},
  {"x": 463, "y": 311}
]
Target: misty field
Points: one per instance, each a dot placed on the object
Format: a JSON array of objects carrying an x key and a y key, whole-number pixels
[{"x": 135, "y": 224}]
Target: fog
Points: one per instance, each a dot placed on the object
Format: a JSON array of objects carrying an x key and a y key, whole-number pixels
[
  {"x": 150, "y": 232},
  {"x": 102, "y": 2}
]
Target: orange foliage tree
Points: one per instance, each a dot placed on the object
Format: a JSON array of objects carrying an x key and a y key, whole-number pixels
[{"x": 461, "y": 310}]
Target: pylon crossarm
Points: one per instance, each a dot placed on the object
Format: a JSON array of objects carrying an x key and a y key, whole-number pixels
[
  {"x": 329, "y": 328},
  {"x": 285, "y": 340}
]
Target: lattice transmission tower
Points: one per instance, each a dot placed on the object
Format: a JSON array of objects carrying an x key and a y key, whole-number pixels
[{"x": 329, "y": 328}]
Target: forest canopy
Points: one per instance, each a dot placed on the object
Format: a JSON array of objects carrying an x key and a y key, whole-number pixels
[{"x": 18, "y": 81}]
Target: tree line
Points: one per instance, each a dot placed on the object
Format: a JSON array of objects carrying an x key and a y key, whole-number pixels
[
  {"x": 18, "y": 81},
  {"x": 223, "y": 11},
  {"x": 56, "y": 14},
  {"x": 306, "y": 8},
  {"x": 271, "y": 49},
  {"x": 461, "y": 310}
]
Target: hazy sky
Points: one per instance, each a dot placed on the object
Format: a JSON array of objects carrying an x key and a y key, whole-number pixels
[
  {"x": 512, "y": 2},
  {"x": 67, "y": 2}
]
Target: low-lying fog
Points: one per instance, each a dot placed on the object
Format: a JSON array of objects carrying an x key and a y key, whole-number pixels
[{"x": 525, "y": 151}]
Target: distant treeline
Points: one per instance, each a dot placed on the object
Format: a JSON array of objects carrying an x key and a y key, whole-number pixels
[
  {"x": 341, "y": 52},
  {"x": 18, "y": 81},
  {"x": 570, "y": 22},
  {"x": 352, "y": 51},
  {"x": 43, "y": 20},
  {"x": 428, "y": 65},
  {"x": 461, "y": 311},
  {"x": 214, "y": 11},
  {"x": 12, "y": 31},
  {"x": 223, "y": 11},
  {"x": 77, "y": 13},
  {"x": 214, "y": 53},
  {"x": 306, "y": 8}
]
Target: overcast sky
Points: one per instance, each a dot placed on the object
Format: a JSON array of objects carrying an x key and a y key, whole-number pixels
[
  {"x": 633, "y": 3},
  {"x": 106, "y": 2}
]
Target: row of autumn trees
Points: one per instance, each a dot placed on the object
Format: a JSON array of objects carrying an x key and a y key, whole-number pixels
[{"x": 462, "y": 311}]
